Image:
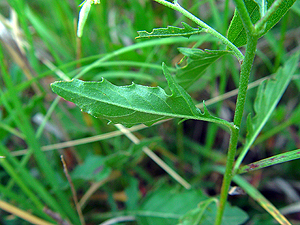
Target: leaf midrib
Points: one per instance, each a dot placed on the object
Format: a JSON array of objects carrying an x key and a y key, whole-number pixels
[{"x": 136, "y": 109}]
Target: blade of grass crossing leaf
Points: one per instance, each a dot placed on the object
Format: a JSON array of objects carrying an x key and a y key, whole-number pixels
[
  {"x": 271, "y": 161},
  {"x": 133, "y": 64},
  {"x": 125, "y": 75}
]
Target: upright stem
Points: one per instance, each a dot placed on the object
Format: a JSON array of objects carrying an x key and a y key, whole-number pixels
[
  {"x": 244, "y": 79},
  {"x": 243, "y": 85}
]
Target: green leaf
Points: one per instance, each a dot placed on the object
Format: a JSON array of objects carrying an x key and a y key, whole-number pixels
[
  {"x": 93, "y": 169},
  {"x": 132, "y": 104},
  {"x": 271, "y": 161},
  {"x": 170, "y": 31},
  {"x": 166, "y": 205},
  {"x": 198, "y": 61},
  {"x": 296, "y": 7},
  {"x": 237, "y": 34},
  {"x": 132, "y": 192},
  {"x": 169, "y": 206},
  {"x": 205, "y": 213},
  {"x": 268, "y": 95}
]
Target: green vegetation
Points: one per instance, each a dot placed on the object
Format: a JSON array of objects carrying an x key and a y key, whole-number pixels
[{"x": 183, "y": 112}]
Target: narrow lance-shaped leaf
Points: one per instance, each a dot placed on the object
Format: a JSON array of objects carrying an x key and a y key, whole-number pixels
[
  {"x": 170, "y": 31},
  {"x": 236, "y": 32},
  {"x": 271, "y": 161},
  {"x": 198, "y": 61},
  {"x": 268, "y": 95},
  {"x": 132, "y": 104}
]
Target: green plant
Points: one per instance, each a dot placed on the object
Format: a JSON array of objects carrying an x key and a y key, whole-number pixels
[
  {"x": 138, "y": 104},
  {"x": 134, "y": 104}
]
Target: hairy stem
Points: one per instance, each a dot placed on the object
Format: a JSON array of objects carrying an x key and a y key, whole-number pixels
[{"x": 243, "y": 85}]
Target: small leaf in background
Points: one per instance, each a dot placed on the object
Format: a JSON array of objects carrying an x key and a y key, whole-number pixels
[
  {"x": 195, "y": 216},
  {"x": 236, "y": 32},
  {"x": 198, "y": 61},
  {"x": 205, "y": 214},
  {"x": 271, "y": 161},
  {"x": 93, "y": 169},
  {"x": 132, "y": 193},
  {"x": 170, "y": 31},
  {"x": 132, "y": 104},
  {"x": 168, "y": 207}
]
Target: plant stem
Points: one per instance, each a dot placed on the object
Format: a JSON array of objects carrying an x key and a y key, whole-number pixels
[
  {"x": 206, "y": 27},
  {"x": 243, "y": 85},
  {"x": 242, "y": 10}
]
